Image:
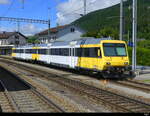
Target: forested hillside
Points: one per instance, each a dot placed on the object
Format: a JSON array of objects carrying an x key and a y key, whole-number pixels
[{"x": 105, "y": 22}]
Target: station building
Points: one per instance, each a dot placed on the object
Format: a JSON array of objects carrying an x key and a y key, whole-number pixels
[
  {"x": 10, "y": 39},
  {"x": 60, "y": 33}
]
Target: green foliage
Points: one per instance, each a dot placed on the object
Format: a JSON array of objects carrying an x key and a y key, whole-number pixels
[
  {"x": 32, "y": 39},
  {"x": 144, "y": 44},
  {"x": 90, "y": 34},
  {"x": 105, "y": 32},
  {"x": 108, "y": 32},
  {"x": 143, "y": 56}
]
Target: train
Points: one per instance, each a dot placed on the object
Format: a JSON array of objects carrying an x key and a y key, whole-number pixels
[{"x": 106, "y": 57}]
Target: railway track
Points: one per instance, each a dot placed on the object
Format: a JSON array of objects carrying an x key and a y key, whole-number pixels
[
  {"x": 23, "y": 97},
  {"x": 117, "y": 102},
  {"x": 134, "y": 84},
  {"x": 5, "y": 100}
]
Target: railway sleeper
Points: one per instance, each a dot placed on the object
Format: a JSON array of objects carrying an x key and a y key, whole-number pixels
[
  {"x": 142, "y": 110},
  {"x": 107, "y": 98},
  {"x": 138, "y": 108},
  {"x": 119, "y": 102},
  {"x": 134, "y": 107},
  {"x": 127, "y": 104}
]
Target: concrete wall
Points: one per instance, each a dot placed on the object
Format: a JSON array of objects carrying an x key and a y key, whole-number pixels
[
  {"x": 68, "y": 33},
  {"x": 12, "y": 39},
  {"x": 44, "y": 38}
]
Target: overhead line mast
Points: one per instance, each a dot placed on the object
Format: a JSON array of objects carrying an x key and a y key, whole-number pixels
[
  {"x": 134, "y": 35},
  {"x": 84, "y": 7},
  {"x": 121, "y": 20}
]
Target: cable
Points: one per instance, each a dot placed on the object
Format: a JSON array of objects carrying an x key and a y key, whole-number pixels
[
  {"x": 76, "y": 10},
  {"x": 9, "y": 8}
]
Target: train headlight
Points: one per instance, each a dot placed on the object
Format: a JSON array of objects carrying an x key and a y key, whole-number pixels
[
  {"x": 108, "y": 63},
  {"x": 126, "y": 63}
]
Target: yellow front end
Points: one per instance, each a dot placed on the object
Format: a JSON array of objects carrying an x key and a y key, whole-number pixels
[
  {"x": 13, "y": 53},
  {"x": 101, "y": 62},
  {"x": 35, "y": 56},
  {"x": 114, "y": 61}
]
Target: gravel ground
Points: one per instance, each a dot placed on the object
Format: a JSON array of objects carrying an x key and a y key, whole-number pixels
[{"x": 79, "y": 101}]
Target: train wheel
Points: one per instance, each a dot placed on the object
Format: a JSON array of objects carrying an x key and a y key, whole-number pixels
[{"x": 104, "y": 75}]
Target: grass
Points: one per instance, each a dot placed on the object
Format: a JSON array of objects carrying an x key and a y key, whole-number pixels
[{"x": 146, "y": 81}]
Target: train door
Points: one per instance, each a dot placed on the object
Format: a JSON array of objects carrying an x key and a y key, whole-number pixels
[
  {"x": 23, "y": 54},
  {"x": 72, "y": 57}
]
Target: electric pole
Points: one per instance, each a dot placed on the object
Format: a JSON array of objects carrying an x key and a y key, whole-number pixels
[
  {"x": 22, "y": 4},
  {"x": 84, "y": 7},
  {"x": 48, "y": 23},
  {"x": 121, "y": 20},
  {"x": 18, "y": 25},
  {"x": 134, "y": 35}
]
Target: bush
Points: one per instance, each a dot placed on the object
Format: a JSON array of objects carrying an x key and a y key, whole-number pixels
[
  {"x": 144, "y": 44},
  {"x": 143, "y": 56}
]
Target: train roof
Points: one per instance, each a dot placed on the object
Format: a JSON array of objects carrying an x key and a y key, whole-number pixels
[
  {"x": 91, "y": 41},
  {"x": 79, "y": 41}
]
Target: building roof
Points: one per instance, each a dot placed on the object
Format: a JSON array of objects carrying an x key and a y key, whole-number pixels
[
  {"x": 6, "y": 35},
  {"x": 52, "y": 30}
]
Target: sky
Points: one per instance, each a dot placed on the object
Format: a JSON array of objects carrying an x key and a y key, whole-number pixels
[{"x": 60, "y": 12}]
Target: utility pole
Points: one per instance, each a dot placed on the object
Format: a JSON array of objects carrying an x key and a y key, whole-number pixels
[
  {"x": 134, "y": 35},
  {"x": 18, "y": 25},
  {"x": 48, "y": 23},
  {"x": 22, "y": 4},
  {"x": 121, "y": 20},
  {"x": 84, "y": 7}
]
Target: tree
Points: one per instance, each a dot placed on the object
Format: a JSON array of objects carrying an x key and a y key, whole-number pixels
[
  {"x": 108, "y": 32},
  {"x": 32, "y": 39}
]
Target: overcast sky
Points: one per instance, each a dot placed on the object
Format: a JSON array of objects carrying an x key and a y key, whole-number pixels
[{"x": 61, "y": 12}]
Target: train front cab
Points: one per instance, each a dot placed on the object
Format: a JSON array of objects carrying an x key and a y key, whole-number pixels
[
  {"x": 109, "y": 58},
  {"x": 115, "y": 60}
]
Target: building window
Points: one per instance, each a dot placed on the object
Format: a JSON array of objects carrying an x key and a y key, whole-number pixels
[{"x": 72, "y": 29}]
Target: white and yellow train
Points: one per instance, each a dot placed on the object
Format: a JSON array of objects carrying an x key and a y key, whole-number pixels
[{"x": 107, "y": 57}]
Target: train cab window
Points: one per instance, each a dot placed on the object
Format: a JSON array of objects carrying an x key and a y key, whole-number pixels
[{"x": 114, "y": 49}]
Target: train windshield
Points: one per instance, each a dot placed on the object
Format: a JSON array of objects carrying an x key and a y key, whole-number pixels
[{"x": 114, "y": 49}]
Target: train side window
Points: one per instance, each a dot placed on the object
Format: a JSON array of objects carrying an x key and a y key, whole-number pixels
[
  {"x": 66, "y": 52},
  {"x": 42, "y": 51},
  {"x": 33, "y": 51},
  {"x": 49, "y": 51},
  {"x": 86, "y": 52}
]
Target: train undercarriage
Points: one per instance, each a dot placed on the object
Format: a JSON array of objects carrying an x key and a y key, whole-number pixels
[{"x": 118, "y": 72}]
